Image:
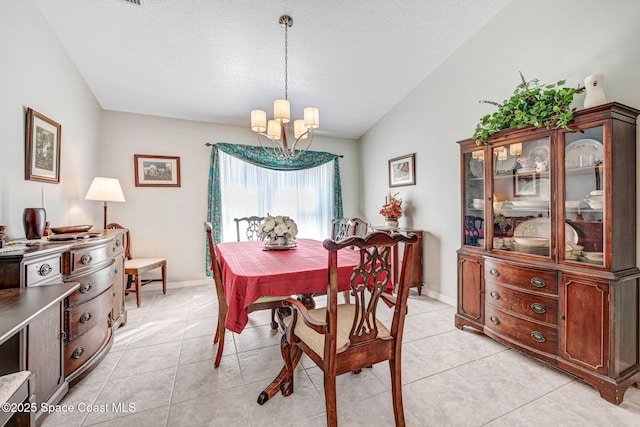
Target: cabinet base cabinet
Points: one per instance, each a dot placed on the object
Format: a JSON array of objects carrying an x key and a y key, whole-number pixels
[
  {"x": 470, "y": 293},
  {"x": 601, "y": 344},
  {"x": 44, "y": 357},
  {"x": 587, "y": 325}
]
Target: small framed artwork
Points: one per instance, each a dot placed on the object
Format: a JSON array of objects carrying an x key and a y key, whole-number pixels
[
  {"x": 42, "y": 148},
  {"x": 402, "y": 171},
  {"x": 525, "y": 185},
  {"x": 157, "y": 171}
]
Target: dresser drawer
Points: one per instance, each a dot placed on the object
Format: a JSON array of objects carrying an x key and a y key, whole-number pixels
[
  {"x": 117, "y": 245},
  {"x": 93, "y": 284},
  {"x": 81, "y": 350},
  {"x": 530, "y": 334},
  {"x": 81, "y": 318},
  {"x": 530, "y": 279},
  {"x": 88, "y": 257},
  {"x": 535, "y": 307},
  {"x": 43, "y": 270}
]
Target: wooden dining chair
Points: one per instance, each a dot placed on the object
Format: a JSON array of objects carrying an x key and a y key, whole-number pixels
[
  {"x": 342, "y": 338},
  {"x": 251, "y": 230},
  {"x": 263, "y": 303},
  {"x": 346, "y": 227},
  {"x": 135, "y": 267}
]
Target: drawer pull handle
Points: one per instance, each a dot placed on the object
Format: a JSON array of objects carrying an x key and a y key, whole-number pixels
[
  {"x": 538, "y": 336},
  {"x": 494, "y": 272},
  {"x": 86, "y": 316},
  {"x": 85, "y": 287},
  {"x": 536, "y": 307},
  {"x": 45, "y": 269},
  {"x": 118, "y": 243},
  {"x": 77, "y": 353},
  {"x": 494, "y": 294},
  {"x": 538, "y": 282},
  {"x": 494, "y": 320},
  {"x": 86, "y": 259}
]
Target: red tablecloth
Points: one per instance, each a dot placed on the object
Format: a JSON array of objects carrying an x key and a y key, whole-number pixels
[{"x": 249, "y": 272}]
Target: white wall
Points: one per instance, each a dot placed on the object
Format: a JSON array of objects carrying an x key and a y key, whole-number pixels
[
  {"x": 36, "y": 73},
  {"x": 547, "y": 39},
  {"x": 167, "y": 222}
]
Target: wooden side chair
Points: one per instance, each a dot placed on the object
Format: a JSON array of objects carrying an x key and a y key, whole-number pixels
[
  {"x": 17, "y": 389},
  {"x": 135, "y": 267},
  {"x": 263, "y": 303},
  {"x": 251, "y": 230},
  {"x": 342, "y": 338},
  {"x": 347, "y": 227}
]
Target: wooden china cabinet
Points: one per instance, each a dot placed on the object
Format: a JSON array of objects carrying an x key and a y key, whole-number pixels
[{"x": 547, "y": 264}]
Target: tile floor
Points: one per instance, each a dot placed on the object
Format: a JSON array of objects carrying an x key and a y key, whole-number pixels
[{"x": 162, "y": 365}]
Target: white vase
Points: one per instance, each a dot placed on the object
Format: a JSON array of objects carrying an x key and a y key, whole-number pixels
[
  {"x": 594, "y": 88},
  {"x": 281, "y": 240},
  {"x": 391, "y": 224}
]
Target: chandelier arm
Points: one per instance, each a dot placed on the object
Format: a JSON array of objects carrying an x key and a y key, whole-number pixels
[{"x": 269, "y": 148}]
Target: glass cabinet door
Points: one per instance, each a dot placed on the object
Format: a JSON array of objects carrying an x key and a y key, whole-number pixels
[
  {"x": 474, "y": 198},
  {"x": 584, "y": 195},
  {"x": 521, "y": 197}
]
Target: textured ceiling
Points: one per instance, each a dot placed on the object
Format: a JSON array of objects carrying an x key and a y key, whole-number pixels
[{"x": 214, "y": 60}]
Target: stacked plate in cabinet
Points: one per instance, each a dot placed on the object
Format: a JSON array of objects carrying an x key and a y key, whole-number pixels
[{"x": 534, "y": 236}]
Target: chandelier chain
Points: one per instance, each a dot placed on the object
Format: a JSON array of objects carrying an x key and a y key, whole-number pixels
[{"x": 286, "y": 61}]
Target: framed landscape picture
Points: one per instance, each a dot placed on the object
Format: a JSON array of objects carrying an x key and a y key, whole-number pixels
[
  {"x": 157, "y": 171},
  {"x": 402, "y": 171},
  {"x": 42, "y": 148}
]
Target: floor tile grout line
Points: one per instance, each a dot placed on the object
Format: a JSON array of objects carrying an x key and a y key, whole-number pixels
[
  {"x": 175, "y": 374},
  {"x": 533, "y": 401}
]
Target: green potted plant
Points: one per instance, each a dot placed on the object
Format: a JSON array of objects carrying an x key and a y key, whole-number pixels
[{"x": 532, "y": 103}]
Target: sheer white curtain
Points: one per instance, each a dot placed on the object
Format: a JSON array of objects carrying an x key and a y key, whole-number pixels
[{"x": 306, "y": 196}]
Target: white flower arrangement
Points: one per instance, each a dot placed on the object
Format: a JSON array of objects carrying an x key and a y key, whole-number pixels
[{"x": 273, "y": 227}]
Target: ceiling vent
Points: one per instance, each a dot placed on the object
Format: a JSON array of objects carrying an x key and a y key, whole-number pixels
[{"x": 133, "y": 2}]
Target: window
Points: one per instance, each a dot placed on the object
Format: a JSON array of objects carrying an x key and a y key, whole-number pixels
[{"x": 306, "y": 196}]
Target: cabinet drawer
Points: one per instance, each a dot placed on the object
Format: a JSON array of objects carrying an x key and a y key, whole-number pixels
[
  {"x": 81, "y": 350},
  {"x": 536, "y": 307},
  {"x": 523, "y": 332},
  {"x": 82, "y": 259},
  {"x": 81, "y": 318},
  {"x": 530, "y": 279},
  {"x": 117, "y": 245},
  {"x": 43, "y": 270},
  {"x": 93, "y": 284}
]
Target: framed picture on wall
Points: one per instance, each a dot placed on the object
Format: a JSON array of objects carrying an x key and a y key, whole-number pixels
[
  {"x": 402, "y": 171},
  {"x": 42, "y": 148},
  {"x": 157, "y": 171}
]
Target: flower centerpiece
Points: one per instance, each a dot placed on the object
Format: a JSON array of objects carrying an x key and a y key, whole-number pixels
[
  {"x": 391, "y": 210},
  {"x": 278, "y": 230}
]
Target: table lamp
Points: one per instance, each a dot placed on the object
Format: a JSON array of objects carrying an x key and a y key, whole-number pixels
[{"x": 106, "y": 190}]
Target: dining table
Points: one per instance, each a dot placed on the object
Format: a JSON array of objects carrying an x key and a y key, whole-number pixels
[{"x": 251, "y": 270}]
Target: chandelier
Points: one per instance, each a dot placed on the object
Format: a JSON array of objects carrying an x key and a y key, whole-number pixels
[{"x": 272, "y": 135}]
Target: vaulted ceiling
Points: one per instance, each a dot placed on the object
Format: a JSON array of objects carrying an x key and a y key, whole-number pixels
[{"x": 215, "y": 60}]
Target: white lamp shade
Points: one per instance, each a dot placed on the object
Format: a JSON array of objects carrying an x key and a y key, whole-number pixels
[
  {"x": 258, "y": 120},
  {"x": 105, "y": 189},
  {"x": 515, "y": 149},
  {"x": 311, "y": 117},
  {"x": 274, "y": 129},
  {"x": 281, "y": 111},
  {"x": 299, "y": 129}
]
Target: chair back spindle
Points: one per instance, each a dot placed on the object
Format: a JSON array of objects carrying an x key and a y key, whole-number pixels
[{"x": 251, "y": 230}]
